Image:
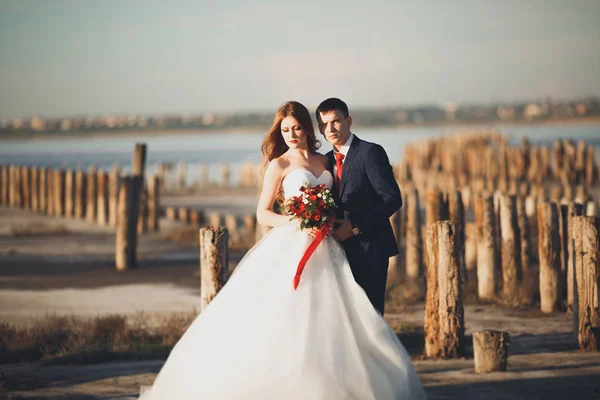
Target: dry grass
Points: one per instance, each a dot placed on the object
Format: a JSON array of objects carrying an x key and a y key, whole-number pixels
[
  {"x": 59, "y": 339},
  {"x": 38, "y": 229}
]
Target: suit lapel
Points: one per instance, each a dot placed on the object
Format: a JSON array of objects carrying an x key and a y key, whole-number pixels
[{"x": 348, "y": 163}]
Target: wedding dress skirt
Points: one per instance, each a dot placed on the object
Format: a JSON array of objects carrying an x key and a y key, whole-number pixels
[{"x": 261, "y": 339}]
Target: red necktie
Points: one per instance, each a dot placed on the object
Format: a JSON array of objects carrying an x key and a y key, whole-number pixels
[{"x": 338, "y": 164}]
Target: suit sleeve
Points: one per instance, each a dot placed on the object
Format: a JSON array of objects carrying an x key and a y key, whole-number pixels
[{"x": 381, "y": 176}]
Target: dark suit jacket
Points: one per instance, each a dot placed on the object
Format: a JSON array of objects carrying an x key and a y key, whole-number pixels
[{"x": 368, "y": 195}]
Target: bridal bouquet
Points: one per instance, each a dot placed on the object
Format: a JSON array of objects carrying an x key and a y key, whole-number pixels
[{"x": 314, "y": 208}]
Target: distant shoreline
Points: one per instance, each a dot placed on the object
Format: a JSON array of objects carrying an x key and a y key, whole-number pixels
[{"x": 243, "y": 130}]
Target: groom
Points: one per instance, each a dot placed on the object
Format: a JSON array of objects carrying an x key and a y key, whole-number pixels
[{"x": 367, "y": 196}]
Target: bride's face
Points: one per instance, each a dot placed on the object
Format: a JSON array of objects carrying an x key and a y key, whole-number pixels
[{"x": 293, "y": 133}]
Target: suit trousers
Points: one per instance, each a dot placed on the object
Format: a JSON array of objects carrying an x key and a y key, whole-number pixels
[{"x": 373, "y": 278}]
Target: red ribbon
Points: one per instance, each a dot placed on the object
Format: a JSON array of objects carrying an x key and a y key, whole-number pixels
[{"x": 319, "y": 236}]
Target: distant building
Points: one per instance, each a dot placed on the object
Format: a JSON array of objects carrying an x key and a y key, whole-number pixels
[
  {"x": 506, "y": 113},
  {"x": 37, "y": 124},
  {"x": 532, "y": 111},
  {"x": 17, "y": 123}
]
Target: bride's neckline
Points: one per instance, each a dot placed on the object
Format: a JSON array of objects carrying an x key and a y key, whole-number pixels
[{"x": 304, "y": 169}]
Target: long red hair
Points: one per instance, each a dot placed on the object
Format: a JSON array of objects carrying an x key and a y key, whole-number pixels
[{"x": 274, "y": 146}]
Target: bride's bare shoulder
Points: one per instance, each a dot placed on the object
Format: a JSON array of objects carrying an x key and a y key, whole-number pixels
[
  {"x": 277, "y": 165},
  {"x": 322, "y": 158}
]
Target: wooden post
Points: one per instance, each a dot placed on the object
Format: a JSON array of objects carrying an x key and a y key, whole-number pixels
[
  {"x": 549, "y": 255},
  {"x": 590, "y": 209},
  {"x": 490, "y": 351},
  {"x": 142, "y": 225},
  {"x": 214, "y": 219},
  {"x": 69, "y": 193},
  {"x": 126, "y": 234},
  {"x": 214, "y": 262},
  {"x": 570, "y": 211},
  {"x": 414, "y": 262},
  {"x": 59, "y": 192},
  {"x": 183, "y": 215},
  {"x": 42, "y": 189},
  {"x": 102, "y": 202},
  {"x": 138, "y": 180},
  {"x": 26, "y": 187},
  {"x": 92, "y": 194},
  {"x": 511, "y": 249},
  {"x": 456, "y": 211},
  {"x": 35, "y": 188},
  {"x": 432, "y": 297},
  {"x": 203, "y": 175},
  {"x": 171, "y": 213},
  {"x": 113, "y": 194},
  {"x": 590, "y": 170},
  {"x": 486, "y": 247},
  {"x": 586, "y": 232},
  {"x": 5, "y": 185},
  {"x": 195, "y": 217},
  {"x": 50, "y": 191},
  {"x": 181, "y": 170},
  {"x": 153, "y": 203},
  {"x": 395, "y": 265},
  {"x": 451, "y": 312},
  {"x": 80, "y": 194},
  {"x": 530, "y": 285}
]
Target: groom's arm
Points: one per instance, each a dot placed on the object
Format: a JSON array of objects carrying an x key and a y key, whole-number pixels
[{"x": 381, "y": 176}]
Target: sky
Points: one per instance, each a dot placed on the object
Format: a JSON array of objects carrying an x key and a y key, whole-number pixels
[{"x": 84, "y": 57}]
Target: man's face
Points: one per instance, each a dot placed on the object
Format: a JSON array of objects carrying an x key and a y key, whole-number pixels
[{"x": 335, "y": 127}]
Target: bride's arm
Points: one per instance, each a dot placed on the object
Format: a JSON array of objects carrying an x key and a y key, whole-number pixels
[{"x": 271, "y": 184}]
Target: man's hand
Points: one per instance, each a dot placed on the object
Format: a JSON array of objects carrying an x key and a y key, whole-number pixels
[{"x": 344, "y": 231}]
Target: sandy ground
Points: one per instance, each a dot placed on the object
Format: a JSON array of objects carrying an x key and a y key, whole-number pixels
[{"x": 66, "y": 266}]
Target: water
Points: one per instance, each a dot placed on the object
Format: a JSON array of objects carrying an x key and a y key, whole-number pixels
[{"x": 213, "y": 148}]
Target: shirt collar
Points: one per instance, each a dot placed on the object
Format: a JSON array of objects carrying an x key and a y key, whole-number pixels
[{"x": 344, "y": 149}]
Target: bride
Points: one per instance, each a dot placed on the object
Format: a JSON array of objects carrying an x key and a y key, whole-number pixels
[{"x": 261, "y": 339}]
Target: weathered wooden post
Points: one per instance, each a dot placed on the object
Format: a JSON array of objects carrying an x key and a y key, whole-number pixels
[
  {"x": 456, "y": 214},
  {"x": 113, "y": 194},
  {"x": 92, "y": 194},
  {"x": 26, "y": 187},
  {"x": 126, "y": 234},
  {"x": 59, "y": 192},
  {"x": 590, "y": 209},
  {"x": 102, "y": 202},
  {"x": 214, "y": 262},
  {"x": 549, "y": 255},
  {"x": 486, "y": 247},
  {"x": 181, "y": 171},
  {"x": 451, "y": 312},
  {"x": 195, "y": 217},
  {"x": 570, "y": 211},
  {"x": 153, "y": 203},
  {"x": 414, "y": 261},
  {"x": 250, "y": 228},
  {"x": 432, "y": 297},
  {"x": 586, "y": 232},
  {"x": 80, "y": 194},
  {"x": 5, "y": 185},
  {"x": 69, "y": 193},
  {"x": 171, "y": 213},
  {"x": 183, "y": 215},
  {"x": 232, "y": 228},
  {"x": 471, "y": 250},
  {"x": 35, "y": 188},
  {"x": 512, "y": 275},
  {"x": 214, "y": 219},
  {"x": 50, "y": 191},
  {"x": 142, "y": 226},
  {"x": 203, "y": 175},
  {"x": 138, "y": 175},
  {"x": 490, "y": 350},
  {"x": 42, "y": 189},
  {"x": 395, "y": 265}
]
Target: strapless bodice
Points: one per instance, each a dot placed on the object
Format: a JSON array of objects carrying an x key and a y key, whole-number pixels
[{"x": 302, "y": 177}]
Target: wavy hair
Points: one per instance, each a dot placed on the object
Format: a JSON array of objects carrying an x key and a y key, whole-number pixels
[{"x": 274, "y": 145}]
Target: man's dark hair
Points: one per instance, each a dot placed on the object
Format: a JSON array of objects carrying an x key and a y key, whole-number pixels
[{"x": 332, "y": 104}]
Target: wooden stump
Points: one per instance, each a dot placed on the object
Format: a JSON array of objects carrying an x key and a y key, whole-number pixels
[
  {"x": 69, "y": 193},
  {"x": 250, "y": 228},
  {"x": 5, "y": 185},
  {"x": 126, "y": 233},
  {"x": 512, "y": 275},
  {"x": 102, "y": 201},
  {"x": 195, "y": 217},
  {"x": 414, "y": 262},
  {"x": 171, "y": 213},
  {"x": 181, "y": 172},
  {"x": 183, "y": 214},
  {"x": 153, "y": 203},
  {"x": 232, "y": 228},
  {"x": 395, "y": 265},
  {"x": 549, "y": 255},
  {"x": 80, "y": 194},
  {"x": 432, "y": 298},
  {"x": 214, "y": 262},
  {"x": 26, "y": 187},
  {"x": 91, "y": 194},
  {"x": 490, "y": 351},
  {"x": 43, "y": 189},
  {"x": 586, "y": 232},
  {"x": 486, "y": 247},
  {"x": 50, "y": 191},
  {"x": 203, "y": 175},
  {"x": 470, "y": 249},
  {"x": 35, "y": 188},
  {"x": 138, "y": 167},
  {"x": 59, "y": 192},
  {"x": 214, "y": 219},
  {"x": 571, "y": 210},
  {"x": 113, "y": 194},
  {"x": 451, "y": 312},
  {"x": 225, "y": 180}
]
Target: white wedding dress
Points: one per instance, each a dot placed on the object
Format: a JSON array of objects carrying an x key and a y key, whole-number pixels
[{"x": 260, "y": 339}]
